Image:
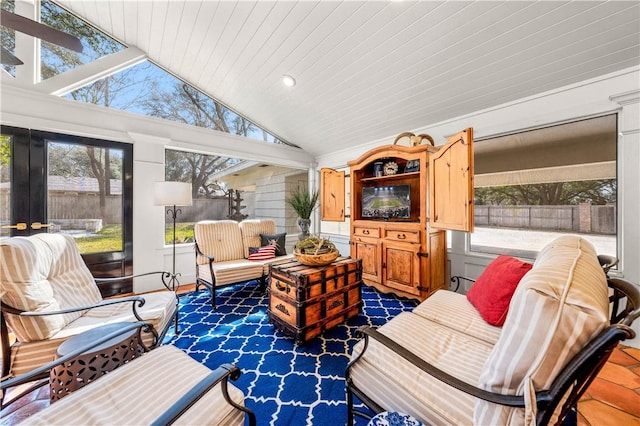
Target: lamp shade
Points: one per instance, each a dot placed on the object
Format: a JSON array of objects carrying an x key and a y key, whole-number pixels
[{"x": 172, "y": 194}]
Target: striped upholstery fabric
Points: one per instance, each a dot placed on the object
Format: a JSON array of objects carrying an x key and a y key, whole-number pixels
[
  {"x": 221, "y": 239},
  {"x": 228, "y": 242},
  {"x": 44, "y": 272},
  {"x": 232, "y": 271},
  {"x": 454, "y": 311},
  {"x": 158, "y": 309},
  {"x": 28, "y": 356},
  {"x": 140, "y": 391},
  {"x": 397, "y": 385},
  {"x": 557, "y": 308},
  {"x": 251, "y": 230}
]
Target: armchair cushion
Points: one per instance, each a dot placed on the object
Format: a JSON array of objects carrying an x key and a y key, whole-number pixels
[
  {"x": 44, "y": 273},
  {"x": 219, "y": 238},
  {"x": 231, "y": 271},
  {"x": 158, "y": 309},
  {"x": 140, "y": 391},
  {"x": 396, "y": 384},
  {"x": 556, "y": 310},
  {"x": 454, "y": 311},
  {"x": 493, "y": 290}
]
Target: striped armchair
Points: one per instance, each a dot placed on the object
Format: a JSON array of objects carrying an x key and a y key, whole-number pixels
[
  {"x": 49, "y": 295},
  {"x": 160, "y": 387}
]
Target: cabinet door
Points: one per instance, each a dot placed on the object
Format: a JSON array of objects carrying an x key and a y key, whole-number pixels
[
  {"x": 332, "y": 195},
  {"x": 369, "y": 252},
  {"x": 401, "y": 267},
  {"x": 451, "y": 184}
]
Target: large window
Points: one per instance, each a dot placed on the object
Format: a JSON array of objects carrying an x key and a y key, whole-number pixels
[
  {"x": 211, "y": 198},
  {"x": 230, "y": 188},
  {"x": 532, "y": 186}
]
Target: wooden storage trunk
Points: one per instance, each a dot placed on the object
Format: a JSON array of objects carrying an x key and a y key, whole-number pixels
[{"x": 304, "y": 300}]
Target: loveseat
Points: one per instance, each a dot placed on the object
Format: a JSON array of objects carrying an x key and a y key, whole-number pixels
[
  {"x": 443, "y": 363},
  {"x": 223, "y": 252}
]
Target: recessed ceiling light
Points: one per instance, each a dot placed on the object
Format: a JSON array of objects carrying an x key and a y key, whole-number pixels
[{"x": 288, "y": 80}]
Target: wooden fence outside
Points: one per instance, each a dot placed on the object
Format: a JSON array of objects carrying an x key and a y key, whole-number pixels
[
  {"x": 584, "y": 218},
  {"x": 67, "y": 206}
]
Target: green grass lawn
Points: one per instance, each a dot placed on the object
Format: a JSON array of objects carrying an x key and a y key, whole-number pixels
[
  {"x": 184, "y": 233},
  {"x": 109, "y": 238}
]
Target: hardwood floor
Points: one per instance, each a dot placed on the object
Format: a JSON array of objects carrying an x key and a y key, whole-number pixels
[{"x": 612, "y": 399}]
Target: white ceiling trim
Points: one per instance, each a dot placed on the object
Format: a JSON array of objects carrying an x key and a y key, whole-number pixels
[{"x": 67, "y": 82}]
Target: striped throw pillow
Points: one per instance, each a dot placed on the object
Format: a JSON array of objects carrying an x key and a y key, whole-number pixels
[{"x": 262, "y": 253}]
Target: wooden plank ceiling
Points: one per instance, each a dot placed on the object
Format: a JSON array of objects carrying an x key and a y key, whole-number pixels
[{"x": 367, "y": 70}]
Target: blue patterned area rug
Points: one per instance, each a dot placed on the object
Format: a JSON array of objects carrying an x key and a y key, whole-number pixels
[{"x": 284, "y": 383}]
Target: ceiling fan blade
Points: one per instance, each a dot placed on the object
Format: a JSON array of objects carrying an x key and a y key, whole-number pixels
[
  {"x": 9, "y": 59},
  {"x": 41, "y": 31}
]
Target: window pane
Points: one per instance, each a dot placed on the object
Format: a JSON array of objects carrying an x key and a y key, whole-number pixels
[
  {"x": 533, "y": 186},
  {"x": 8, "y": 37},
  {"x": 149, "y": 90},
  {"x": 85, "y": 195},
  {"x": 55, "y": 59}
]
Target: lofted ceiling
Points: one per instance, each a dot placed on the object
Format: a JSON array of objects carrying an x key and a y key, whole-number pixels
[{"x": 367, "y": 70}]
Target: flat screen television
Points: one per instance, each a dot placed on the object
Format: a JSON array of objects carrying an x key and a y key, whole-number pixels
[{"x": 386, "y": 202}]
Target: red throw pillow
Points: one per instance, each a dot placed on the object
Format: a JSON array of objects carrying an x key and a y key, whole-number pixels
[
  {"x": 492, "y": 291},
  {"x": 262, "y": 253}
]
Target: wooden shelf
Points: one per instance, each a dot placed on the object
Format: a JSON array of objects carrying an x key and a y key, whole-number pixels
[{"x": 391, "y": 177}]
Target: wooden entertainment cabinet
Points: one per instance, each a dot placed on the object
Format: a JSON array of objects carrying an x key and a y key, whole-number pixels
[{"x": 398, "y": 228}]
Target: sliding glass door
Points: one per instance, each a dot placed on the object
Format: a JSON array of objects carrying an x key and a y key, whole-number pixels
[{"x": 74, "y": 185}]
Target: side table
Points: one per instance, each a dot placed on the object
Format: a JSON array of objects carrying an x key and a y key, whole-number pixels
[{"x": 89, "y": 366}]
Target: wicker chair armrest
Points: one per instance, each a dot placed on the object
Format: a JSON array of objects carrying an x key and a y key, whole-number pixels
[
  {"x": 38, "y": 372},
  {"x": 220, "y": 375}
]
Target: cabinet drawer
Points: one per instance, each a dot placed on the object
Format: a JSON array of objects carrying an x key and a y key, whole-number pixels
[
  {"x": 406, "y": 236},
  {"x": 361, "y": 231}
]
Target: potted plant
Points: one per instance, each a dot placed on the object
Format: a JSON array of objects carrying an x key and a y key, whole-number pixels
[{"x": 303, "y": 202}]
